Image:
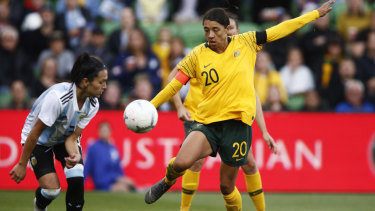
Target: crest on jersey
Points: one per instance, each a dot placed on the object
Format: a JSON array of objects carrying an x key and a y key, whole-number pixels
[
  {"x": 83, "y": 115},
  {"x": 237, "y": 53}
]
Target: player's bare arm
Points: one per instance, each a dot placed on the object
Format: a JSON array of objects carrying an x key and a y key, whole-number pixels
[
  {"x": 182, "y": 113},
  {"x": 259, "y": 118},
  {"x": 18, "y": 172},
  {"x": 71, "y": 146}
]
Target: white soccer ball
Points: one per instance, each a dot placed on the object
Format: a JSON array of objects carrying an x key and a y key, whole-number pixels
[{"x": 140, "y": 116}]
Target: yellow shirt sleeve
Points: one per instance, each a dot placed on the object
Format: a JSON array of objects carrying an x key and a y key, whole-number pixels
[
  {"x": 250, "y": 40},
  {"x": 287, "y": 27},
  {"x": 164, "y": 95},
  {"x": 188, "y": 64}
]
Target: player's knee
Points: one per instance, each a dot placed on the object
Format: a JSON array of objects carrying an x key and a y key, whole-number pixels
[
  {"x": 180, "y": 165},
  {"x": 76, "y": 171},
  {"x": 50, "y": 194},
  {"x": 250, "y": 168},
  {"x": 226, "y": 189}
]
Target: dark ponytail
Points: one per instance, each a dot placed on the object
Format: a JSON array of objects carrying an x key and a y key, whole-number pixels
[{"x": 85, "y": 66}]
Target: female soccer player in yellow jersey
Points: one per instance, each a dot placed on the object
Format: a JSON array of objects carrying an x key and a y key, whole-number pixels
[
  {"x": 186, "y": 112},
  {"x": 224, "y": 67}
]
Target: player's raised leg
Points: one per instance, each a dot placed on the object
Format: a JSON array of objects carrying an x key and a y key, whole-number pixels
[
  {"x": 195, "y": 147},
  {"x": 231, "y": 195},
  {"x": 254, "y": 183},
  {"x": 190, "y": 182}
]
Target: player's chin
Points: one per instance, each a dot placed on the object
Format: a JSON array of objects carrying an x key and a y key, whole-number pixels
[{"x": 99, "y": 94}]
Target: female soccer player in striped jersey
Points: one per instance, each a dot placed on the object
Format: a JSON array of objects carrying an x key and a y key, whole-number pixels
[
  {"x": 224, "y": 67},
  {"x": 53, "y": 128}
]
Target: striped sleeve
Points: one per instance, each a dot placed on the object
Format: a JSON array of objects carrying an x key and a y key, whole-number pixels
[
  {"x": 250, "y": 40},
  {"x": 189, "y": 63}
]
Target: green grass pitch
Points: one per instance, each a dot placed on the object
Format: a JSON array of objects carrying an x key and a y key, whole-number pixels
[{"x": 95, "y": 201}]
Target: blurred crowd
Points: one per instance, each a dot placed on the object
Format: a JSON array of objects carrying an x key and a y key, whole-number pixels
[{"x": 328, "y": 65}]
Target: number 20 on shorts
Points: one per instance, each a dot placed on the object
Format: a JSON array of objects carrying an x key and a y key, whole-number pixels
[{"x": 240, "y": 149}]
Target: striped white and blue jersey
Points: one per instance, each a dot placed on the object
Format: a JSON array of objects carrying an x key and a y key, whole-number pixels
[{"x": 57, "y": 107}]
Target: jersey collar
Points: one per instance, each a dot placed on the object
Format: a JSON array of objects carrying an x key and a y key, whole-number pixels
[
  {"x": 208, "y": 45},
  {"x": 75, "y": 102}
]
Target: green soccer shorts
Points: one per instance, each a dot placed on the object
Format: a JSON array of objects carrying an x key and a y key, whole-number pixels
[{"x": 230, "y": 138}]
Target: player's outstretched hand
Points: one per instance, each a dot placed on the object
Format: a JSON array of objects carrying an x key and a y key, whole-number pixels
[
  {"x": 270, "y": 142},
  {"x": 325, "y": 8},
  {"x": 72, "y": 160},
  {"x": 183, "y": 114},
  {"x": 18, "y": 173}
]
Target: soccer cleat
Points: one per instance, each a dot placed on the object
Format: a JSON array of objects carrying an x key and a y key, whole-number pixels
[
  {"x": 156, "y": 191},
  {"x": 36, "y": 208}
]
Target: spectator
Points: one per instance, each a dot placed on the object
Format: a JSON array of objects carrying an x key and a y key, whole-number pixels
[
  {"x": 313, "y": 102},
  {"x": 306, "y": 5},
  {"x": 186, "y": 12},
  {"x": 137, "y": 58},
  {"x": 14, "y": 63},
  {"x": 47, "y": 77},
  {"x": 64, "y": 57},
  {"x": 35, "y": 41},
  {"x": 18, "y": 96},
  {"x": 142, "y": 89},
  {"x": 362, "y": 35},
  {"x": 149, "y": 11},
  {"x": 110, "y": 10},
  {"x": 268, "y": 11},
  {"x": 17, "y": 12},
  {"x": 335, "y": 91},
  {"x": 162, "y": 48},
  {"x": 118, "y": 40},
  {"x": 103, "y": 164},
  {"x": 97, "y": 46},
  {"x": 354, "y": 94},
  {"x": 279, "y": 49},
  {"x": 265, "y": 77},
  {"x": 326, "y": 69},
  {"x": 358, "y": 46},
  {"x": 177, "y": 52},
  {"x": 355, "y": 19},
  {"x": 314, "y": 43},
  {"x": 274, "y": 102},
  {"x": 366, "y": 64},
  {"x": 73, "y": 21},
  {"x": 112, "y": 97},
  {"x": 4, "y": 16},
  {"x": 296, "y": 77},
  {"x": 176, "y": 55},
  {"x": 31, "y": 19},
  {"x": 371, "y": 90}
]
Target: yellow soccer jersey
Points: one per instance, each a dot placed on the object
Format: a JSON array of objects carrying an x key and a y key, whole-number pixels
[
  {"x": 193, "y": 98},
  {"x": 226, "y": 79}
]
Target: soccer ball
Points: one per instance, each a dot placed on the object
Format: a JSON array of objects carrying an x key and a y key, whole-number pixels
[{"x": 140, "y": 116}]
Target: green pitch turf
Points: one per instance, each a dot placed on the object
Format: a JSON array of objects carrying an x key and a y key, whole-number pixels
[{"x": 95, "y": 201}]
